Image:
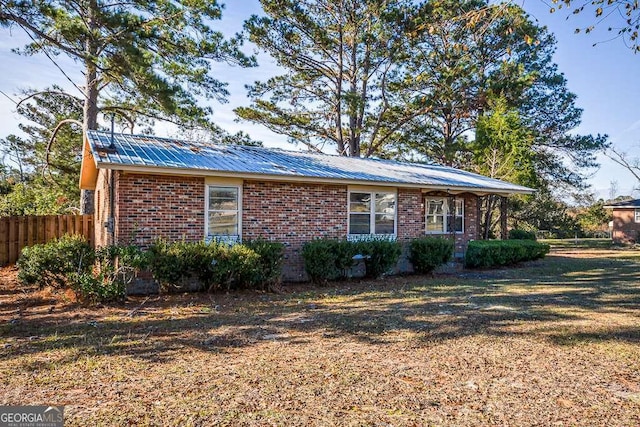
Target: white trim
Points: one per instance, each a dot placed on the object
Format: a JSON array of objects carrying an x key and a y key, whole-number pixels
[
  {"x": 371, "y": 237},
  {"x": 372, "y": 210},
  {"x": 636, "y": 215},
  {"x": 307, "y": 179},
  {"x": 222, "y": 184},
  {"x": 445, "y": 215}
]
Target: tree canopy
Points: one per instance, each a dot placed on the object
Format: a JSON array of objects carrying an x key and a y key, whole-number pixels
[
  {"x": 412, "y": 80},
  {"x": 342, "y": 62},
  {"x": 41, "y": 179},
  {"x": 141, "y": 60}
]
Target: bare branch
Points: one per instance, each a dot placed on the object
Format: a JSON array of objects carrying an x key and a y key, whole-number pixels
[
  {"x": 46, "y": 92},
  {"x": 632, "y": 165},
  {"x": 53, "y": 137}
]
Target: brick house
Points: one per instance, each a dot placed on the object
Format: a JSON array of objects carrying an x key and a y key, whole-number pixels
[
  {"x": 149, "y": 187},
  {"x": 626, "y": 221}
]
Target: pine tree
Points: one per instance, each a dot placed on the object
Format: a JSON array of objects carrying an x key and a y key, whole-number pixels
[{"x": 141, "y": 60}]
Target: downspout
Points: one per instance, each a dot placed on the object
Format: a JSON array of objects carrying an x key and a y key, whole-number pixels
[{"x": 111, "y": 228}]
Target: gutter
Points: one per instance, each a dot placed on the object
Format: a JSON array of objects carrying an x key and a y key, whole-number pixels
[{"x": 151, "y": 169}]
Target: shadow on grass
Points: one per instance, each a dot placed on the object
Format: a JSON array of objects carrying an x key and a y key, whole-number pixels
[{"x": 422, "y": 309}]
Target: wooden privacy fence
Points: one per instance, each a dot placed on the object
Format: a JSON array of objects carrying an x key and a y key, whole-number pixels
[{"x": 17, "y": 232}]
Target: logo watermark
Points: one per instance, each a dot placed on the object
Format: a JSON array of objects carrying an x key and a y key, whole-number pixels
[{"x": 31, "y": 416}]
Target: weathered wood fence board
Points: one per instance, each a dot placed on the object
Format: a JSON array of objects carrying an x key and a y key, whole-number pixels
[{"x": 17, "y": 232}]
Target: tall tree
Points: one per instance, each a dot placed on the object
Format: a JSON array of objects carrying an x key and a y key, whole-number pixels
[
  {"x": 140, "y": 59},
  {"x": 341, "y": 61},
  {"x": 464, "y": 53},
  {"x": 58, "y": 164},
  {"x": 472, "y": 52},
  {"x": 503, "y": 150}
]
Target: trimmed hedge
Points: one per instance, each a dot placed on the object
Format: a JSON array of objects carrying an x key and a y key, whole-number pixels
[
  {"x": 103, "y": 275},
  {"x": 493, "y": 253},
  {"x": 522, "y": 235},
  {"x": 331, "y": 259},
  {"x": 115, "y": 267},
  {"x": 271, "y": 256},
  {"x": 54, "y": 263},
  {"x": 198, "y": 266},
  {"x": 70, "y": 262},
  {"x": 327, "y": 259},
  {"x": 427, "y": 253},
  {"x": 380, "y": 256}
]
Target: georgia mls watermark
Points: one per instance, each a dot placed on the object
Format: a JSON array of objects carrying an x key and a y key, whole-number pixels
[{"x": 31, "y": 416}]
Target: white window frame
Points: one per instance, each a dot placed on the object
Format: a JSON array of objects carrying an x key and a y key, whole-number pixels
[
  {"x": 372, "y": 214},
  {"x": 636, "y": 215},
  {"x": 237, "y": 185},
  {"x": 445, "y": 215}
]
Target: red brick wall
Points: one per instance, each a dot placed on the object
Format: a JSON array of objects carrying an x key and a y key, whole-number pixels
[
  {"x": 470, "y": 223},
  {"x": 410, "y": 213},
  {"x": 152, "y": 206},
  {"x": 625, "y": 229},
  {"x": 293, "y": 214}
]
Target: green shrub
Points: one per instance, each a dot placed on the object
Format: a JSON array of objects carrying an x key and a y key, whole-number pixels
[
  {"x": 271, "y": 256},
  {"x": 493, "y": 253},
  {"x": 321, "y": 258},
  {"x": 381, "y": 255},
  {"x": 95, "y": 276},
  {"x": 522, "y": 235},
  {"x": 115, "y": 267},
  {"x": 235, "y": 267},
  {"x": 176, "y": 265},
  {"x": 427, "y": 253},
  {"x": 330, "y": 259},
  {"x": 54, "y": 263},
  {"x": 101, "y": 287},
  {"x": 189, "y": 266}
]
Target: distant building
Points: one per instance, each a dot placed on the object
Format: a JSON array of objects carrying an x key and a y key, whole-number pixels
[{"x": 626, "y": 221}]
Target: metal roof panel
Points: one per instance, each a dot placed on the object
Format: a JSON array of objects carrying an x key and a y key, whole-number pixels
[{"x": 148, "y": 151}]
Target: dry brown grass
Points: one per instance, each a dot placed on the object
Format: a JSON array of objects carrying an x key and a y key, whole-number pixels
[{"x": 555, "y": 342}]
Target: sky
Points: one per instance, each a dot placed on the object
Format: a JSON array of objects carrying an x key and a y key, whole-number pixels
[{"x": 605, "y": 77}]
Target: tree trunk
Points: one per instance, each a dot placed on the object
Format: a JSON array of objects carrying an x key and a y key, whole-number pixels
[{"x": 90, "y": 109}]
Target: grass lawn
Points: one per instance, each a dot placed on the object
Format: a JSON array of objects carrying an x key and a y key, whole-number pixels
[{"x": 553, "y": 342}]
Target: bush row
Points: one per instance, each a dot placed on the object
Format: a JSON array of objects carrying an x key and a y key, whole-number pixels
[
  {"x": 493, "y": 253},
  {"x": 330, "y": 259},
  {"x": 181, "y": 266},
  {"x": 103, "y": 274}
]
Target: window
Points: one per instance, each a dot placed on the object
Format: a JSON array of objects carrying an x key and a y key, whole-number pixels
[
  {"x": 441, "y": 219},
  {"x": 637, "y": 215},
  {"x": 372, "y": 213},
  {"x": 223, "y": 213}
]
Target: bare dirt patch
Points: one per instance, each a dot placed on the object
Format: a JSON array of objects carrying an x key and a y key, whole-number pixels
[{"x": 549, "y": 343}]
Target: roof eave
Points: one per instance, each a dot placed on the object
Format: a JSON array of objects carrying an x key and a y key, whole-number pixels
[
  {"x": 296, "y": 178},
  {"x": 88, "y": 167}
]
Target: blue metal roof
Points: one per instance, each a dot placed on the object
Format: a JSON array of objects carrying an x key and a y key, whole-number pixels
[
  {"x": 635, "y": 203},
  {"x": 140, "y": 151}
]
